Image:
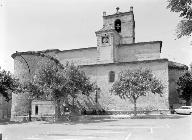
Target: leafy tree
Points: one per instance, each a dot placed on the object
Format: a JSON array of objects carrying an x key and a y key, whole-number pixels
[
  {"x": 8, "y": 84},
  {"x": 190, "y": 66},
  {"x": 134, "y": 84},
  {"x": 184, "y": 7},
  {"x": 23, "y": 105},
  {"x": 185, "y": 87},
  {"x": 30, "y": 91},
  {"x": 77, "y": 82},
  {"x": 57, "y": 83}
]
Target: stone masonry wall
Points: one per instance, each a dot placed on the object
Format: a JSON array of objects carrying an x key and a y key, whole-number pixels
[
  {"x": 100, "y": 75},
  {"x": 5, "y": 108},
  {"x": 127, "y": 26},
  {"x": 78, "y": 56},
  {"x": 44, "y": 108},
  {"x": 20, "y": 103},
  {"x": 139, "y": 51}
]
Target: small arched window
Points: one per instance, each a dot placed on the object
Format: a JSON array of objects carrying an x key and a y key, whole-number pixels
[
  {"x": 111, "y": 76},
  {"x": 118, "y": 25}
]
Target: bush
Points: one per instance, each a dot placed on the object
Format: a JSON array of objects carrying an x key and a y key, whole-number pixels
[{"x": 93, "y": 112}]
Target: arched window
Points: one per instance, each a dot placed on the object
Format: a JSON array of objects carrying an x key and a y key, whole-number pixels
[
  {"x": 118, "y": 25},
  {"x": 111, "y": 76}
]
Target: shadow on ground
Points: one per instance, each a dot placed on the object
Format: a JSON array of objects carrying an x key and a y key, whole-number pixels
[
  {"x": 100, "y": 120},
  {"x": 82, "y": 121},
  {"x": 174, "y": 116},
  {"x": 7, "y": 122}
]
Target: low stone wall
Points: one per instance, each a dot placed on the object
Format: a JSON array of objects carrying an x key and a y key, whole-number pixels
[
  {"x": 39, "y": 118},
  {"x": 90, "y": 116},
  {"x": 138, "y": 112},
  {"x": 20, "y": 118},
  {"x": 123, "y": 112}
]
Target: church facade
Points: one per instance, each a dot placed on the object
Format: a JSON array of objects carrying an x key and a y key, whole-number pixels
[{"x": 116, "y": 51}]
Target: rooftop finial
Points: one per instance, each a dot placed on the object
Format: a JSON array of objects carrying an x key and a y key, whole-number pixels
[
  {"x": 117, "y": 9},
  {"x": 131, "y": 8}
]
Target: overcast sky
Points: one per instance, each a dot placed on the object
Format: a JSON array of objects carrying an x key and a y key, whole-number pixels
[{"x": 33, "y": 25}]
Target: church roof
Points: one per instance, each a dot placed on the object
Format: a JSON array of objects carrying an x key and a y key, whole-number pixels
[
  {"x": 79, "y": 49},
  {"x": 130, "y": 62},
  {"x": 39, "y": 53},
  {"x": 34, "y": 52},
  {"x": 171, "y": 65},
  {"x": 175, "y": 65},
  {"x": 47, "y": 51},
  {"x": 106, "y": 28}
]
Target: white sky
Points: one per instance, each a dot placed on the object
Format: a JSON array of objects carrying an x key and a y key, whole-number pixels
[{"x": 33, "y": 25}]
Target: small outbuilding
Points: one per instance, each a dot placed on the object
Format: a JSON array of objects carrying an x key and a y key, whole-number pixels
[{"x": 42, "y": 108}]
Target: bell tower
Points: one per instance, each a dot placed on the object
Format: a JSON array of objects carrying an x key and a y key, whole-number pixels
[
  {"x": 118, "y": 28},
  {"x": 123, "y": 23},
  {"x": 107, "y": 42}
]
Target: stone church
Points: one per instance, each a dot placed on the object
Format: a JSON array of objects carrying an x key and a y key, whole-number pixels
[{"x": 116, "y": 51}]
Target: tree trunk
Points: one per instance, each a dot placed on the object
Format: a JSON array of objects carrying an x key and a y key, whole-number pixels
[
  {"x": 135, "y": 108},
  {"x": 96, "y": 100},
  {"x": 30, "y": 110},
  {"x": 73, "y": 102},
  {"x": 57, "y": 110},
  {"x": 188, "y": 102}
]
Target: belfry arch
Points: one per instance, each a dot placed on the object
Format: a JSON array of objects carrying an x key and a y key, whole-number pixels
[{"x": 117, "y": 25}]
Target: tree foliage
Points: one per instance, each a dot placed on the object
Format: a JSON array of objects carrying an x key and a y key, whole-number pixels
[
  {"x": 8, "y": 84},
  {"x": 185, "y": 87},
  {"x": 57, "y": 83},
  {"x": 184, "y": 7},
  {"x": 134, "y": 84},
  {"x": 49, "y": 79},
  {"x": 190, "y": 66}
]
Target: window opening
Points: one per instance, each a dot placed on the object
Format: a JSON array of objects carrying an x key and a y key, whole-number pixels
[
  {"x": 118, "y": 25},
  {"x": 111, "y": 76},
  {"x": 36, "y": 110}
]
